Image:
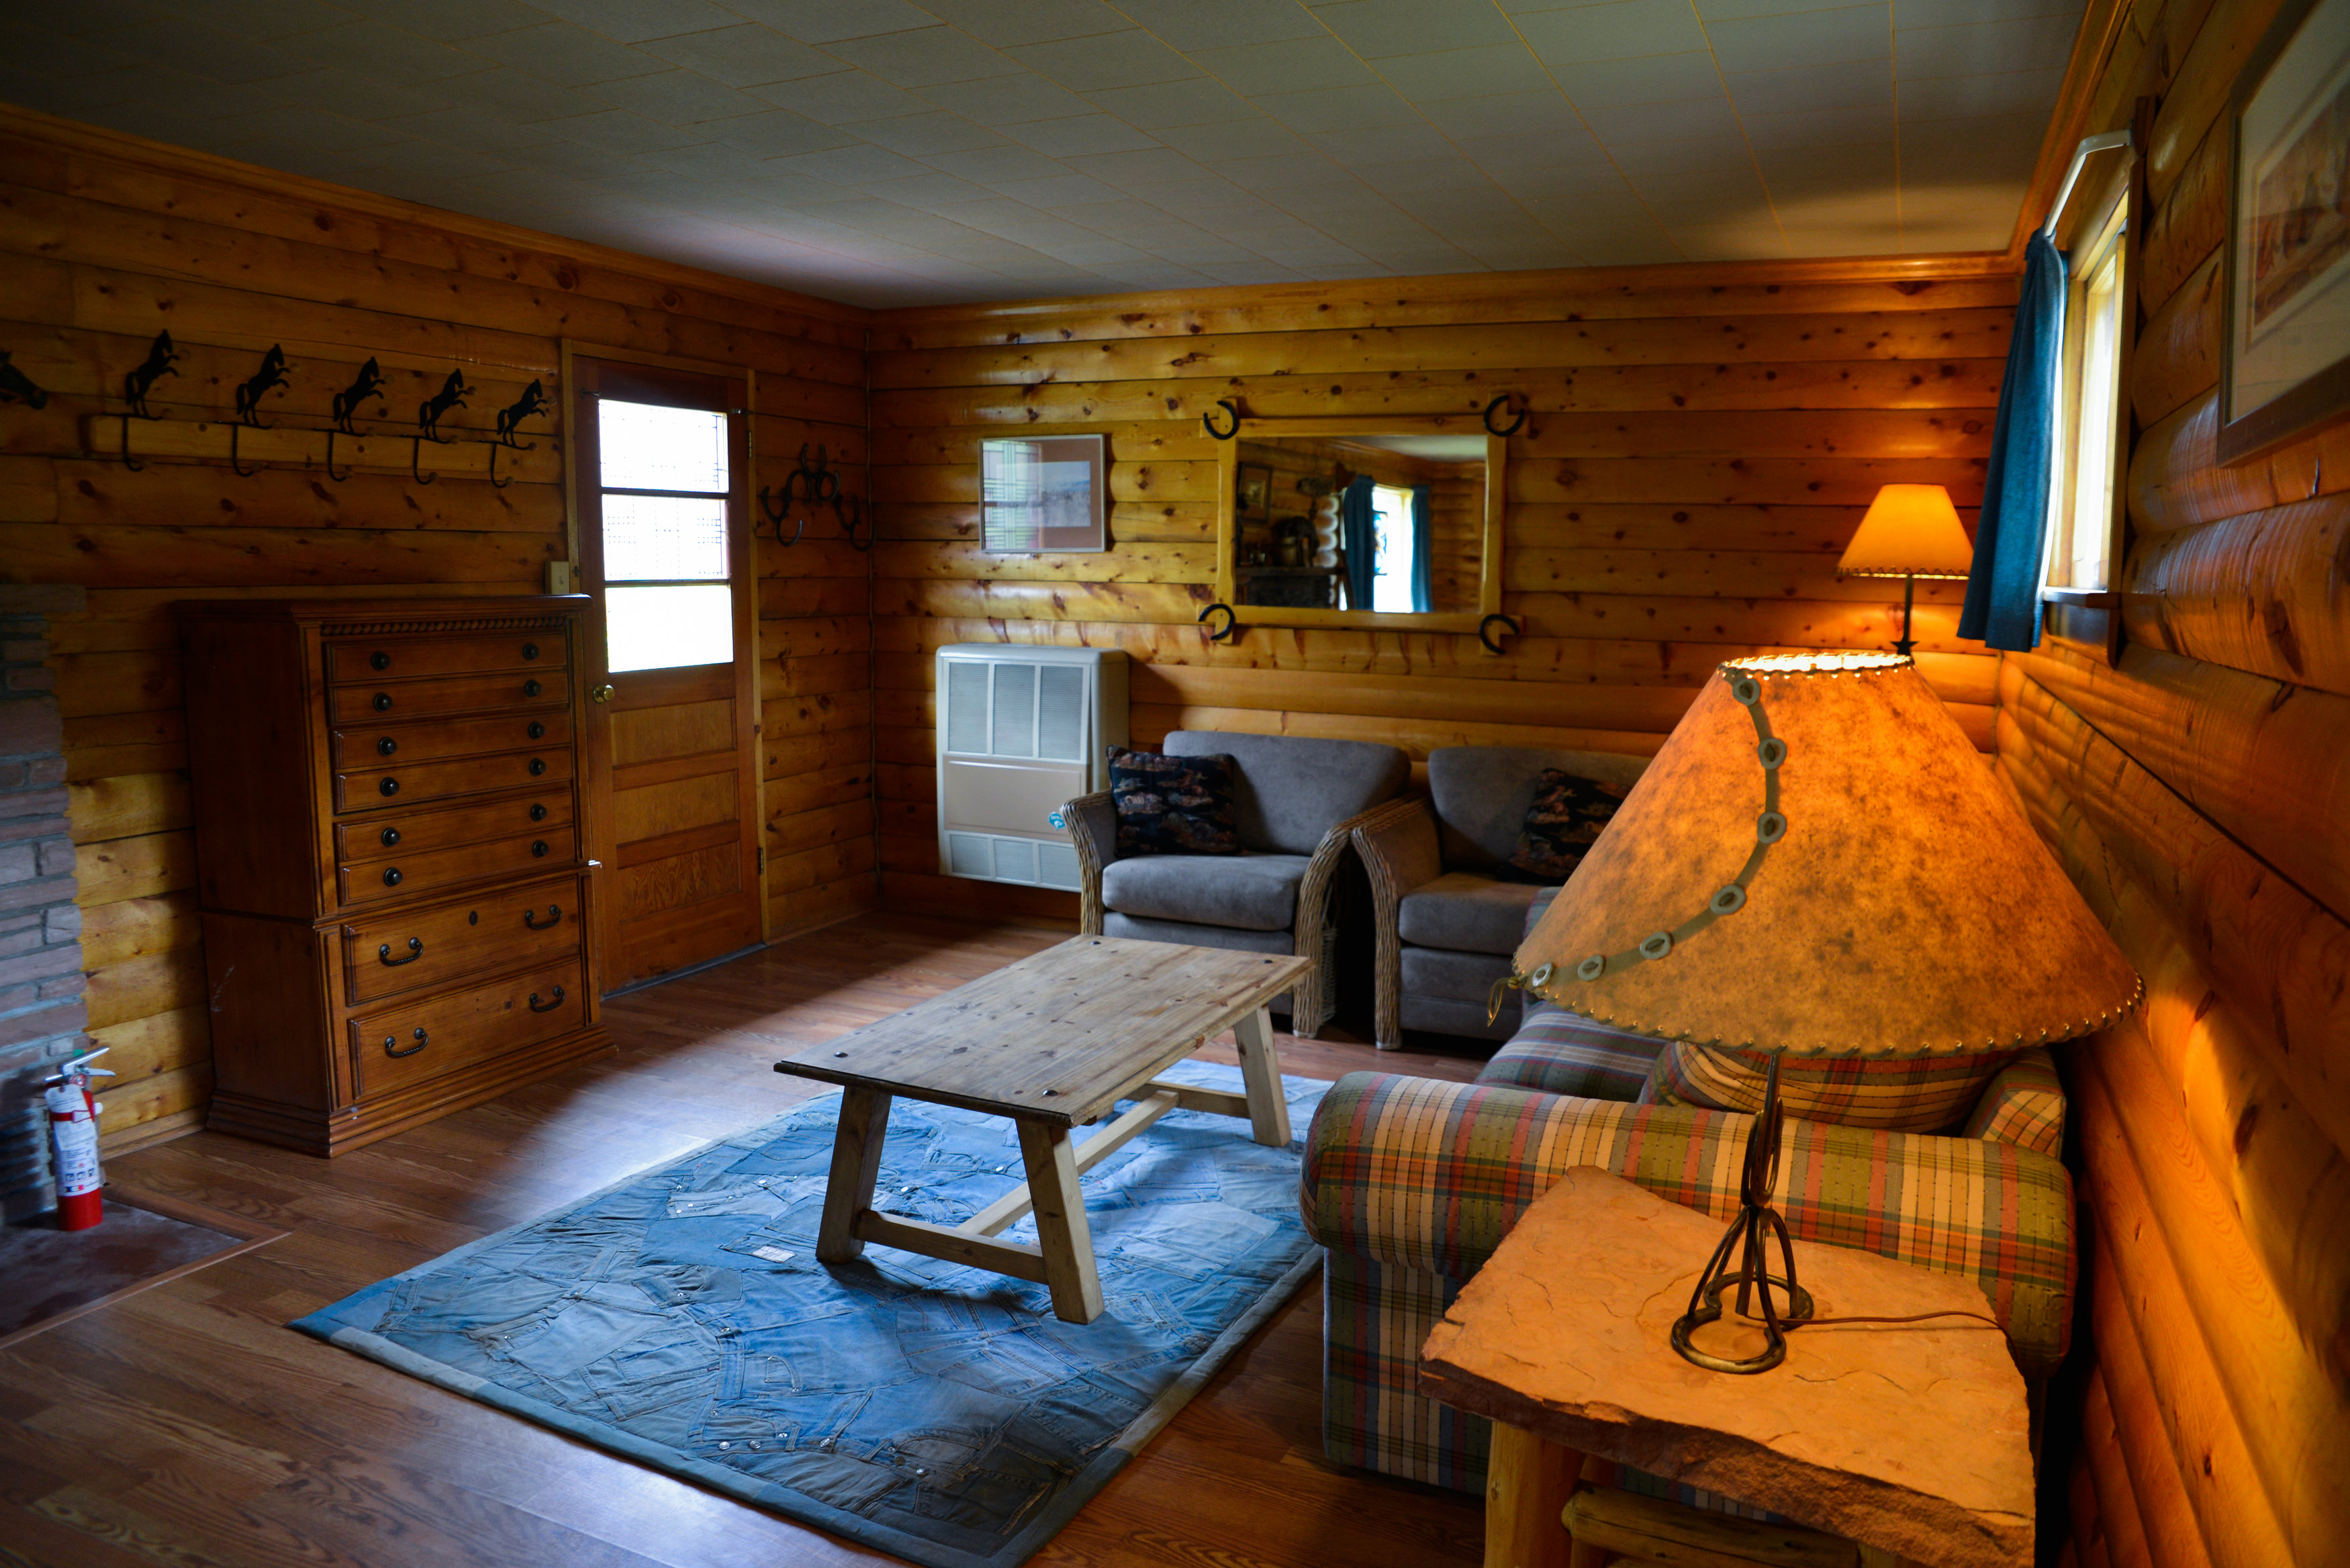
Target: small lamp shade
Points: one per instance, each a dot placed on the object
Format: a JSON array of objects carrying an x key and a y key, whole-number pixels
[
  {"x": 1818, "y": 863},
  {"x": 1909, "y": 530}
]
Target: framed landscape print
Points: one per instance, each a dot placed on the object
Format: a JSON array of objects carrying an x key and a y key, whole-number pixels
[
  {"x": 1256, "y": 483},
  {"x": 1041, "y": 492},
  {"x": 2287, "y": 359}
]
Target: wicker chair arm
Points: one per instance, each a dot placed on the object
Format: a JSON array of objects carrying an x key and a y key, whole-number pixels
[
  {"x": 1092, "y": 821},
  {"x": 1399, "y": 850}
]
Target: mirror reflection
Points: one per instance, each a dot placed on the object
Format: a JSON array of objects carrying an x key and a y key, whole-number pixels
[{"x": 1394, "y": 523}]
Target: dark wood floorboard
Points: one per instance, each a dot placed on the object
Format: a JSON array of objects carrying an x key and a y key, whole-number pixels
[{"x": 186, "y": 1426}]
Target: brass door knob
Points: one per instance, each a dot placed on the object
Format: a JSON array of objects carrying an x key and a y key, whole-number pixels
[{"x": 602, "y": 693}]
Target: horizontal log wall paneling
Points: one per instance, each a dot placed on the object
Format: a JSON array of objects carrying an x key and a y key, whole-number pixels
[
  {"x": 105, "y": 239},
  {"x": 2196, "y": 790},
  {"x": 1700, "y": 444}
]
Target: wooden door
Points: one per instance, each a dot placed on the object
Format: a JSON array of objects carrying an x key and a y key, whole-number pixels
[{"x": 663, "y": 466}]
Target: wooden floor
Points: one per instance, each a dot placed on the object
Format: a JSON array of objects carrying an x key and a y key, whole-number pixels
[{"x": 186, "y": 1426}]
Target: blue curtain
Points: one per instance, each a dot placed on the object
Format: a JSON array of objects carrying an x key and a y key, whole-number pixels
[
  {"x": 2003, "y": 607},
  {"x": 1358, "y": 539},
  {"x": 1423, "y": 544}
]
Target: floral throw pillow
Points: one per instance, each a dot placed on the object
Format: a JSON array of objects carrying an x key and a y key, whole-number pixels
[
  {"x": 1173, "y": 806},
  {"x": 1562, "y": 822}
]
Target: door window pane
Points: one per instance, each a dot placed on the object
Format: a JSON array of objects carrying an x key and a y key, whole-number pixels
[
  {"x": 645, "y": 446},
  {"x": 664, "y": 538},
  {"x": 662, "y": 627}
]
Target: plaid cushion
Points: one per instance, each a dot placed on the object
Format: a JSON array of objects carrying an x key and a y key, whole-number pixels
[
  {"x": 1905, "y": 1094},
  {"x": 2025, "y": 1105},
  {"x": 1560, "y": 1053}
]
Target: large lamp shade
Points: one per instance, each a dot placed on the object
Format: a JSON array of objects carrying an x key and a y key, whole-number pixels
[{"x": 1909, "y": 531}]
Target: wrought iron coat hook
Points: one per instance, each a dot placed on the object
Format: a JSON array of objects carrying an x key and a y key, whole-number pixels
[
  {"x": 451, "y": 395},
  {"x": 367, "y": 383},
  {"x": 814, "y": 485},
  {"x": 16, "y": 387},
  {"x": 779, "y": 509},
  {"x": 249, "y": 393},
  {"x": 1230, "y": 406},
  {"x": 1231, "y": 627},
  {"x": 1515, "y": 425},
  {"x": 532, "y": 401},
  {"x": 138, "y": 383},
  {"x": 1483, "y": 636}
]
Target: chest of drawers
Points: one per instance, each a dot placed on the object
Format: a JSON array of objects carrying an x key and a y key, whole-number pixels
[{"x": 398, "y": 909}]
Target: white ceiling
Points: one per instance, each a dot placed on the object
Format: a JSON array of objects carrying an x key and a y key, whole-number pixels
[{"x": 885, "y": 152}]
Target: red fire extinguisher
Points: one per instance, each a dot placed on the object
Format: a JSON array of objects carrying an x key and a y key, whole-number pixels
[{"x": 73, "y": 1126}]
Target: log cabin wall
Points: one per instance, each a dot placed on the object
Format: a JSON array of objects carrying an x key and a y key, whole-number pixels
[
  {"x": 105, "y": 239},
  {"x": 2197, "y": 789},
  {"x": 1701, "y": 444}
]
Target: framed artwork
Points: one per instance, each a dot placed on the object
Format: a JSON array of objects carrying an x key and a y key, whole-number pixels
[
  {"x": 1253, "y": 490},
  {"x": 2287, "y": 353},
  {"x": 1043, "y": 493}
]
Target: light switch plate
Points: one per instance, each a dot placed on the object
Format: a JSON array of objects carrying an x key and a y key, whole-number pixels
[{"x": 558, "y": 577}]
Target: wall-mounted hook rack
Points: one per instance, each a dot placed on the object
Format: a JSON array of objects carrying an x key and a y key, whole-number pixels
[
  {"x": 451, "y": 395},
  {"x": 1230, "y": 406},
  {"x": 1510, "y": 625},
  {"x": 135, "y": 386},
  {"x": 16, "y": 387},
  {"x": 814, "y": 485},
  {"x": 777, "y": 511},
  {"x": 1231, "y": 631},
  {"x": 532, "y": 401},
  {"x": 367, "y": 383},
  {"x": 1504, "y": 401},
  {"x": 249, "y": 393}
]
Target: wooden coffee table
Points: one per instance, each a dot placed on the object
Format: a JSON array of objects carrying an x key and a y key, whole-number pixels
[{"x": 1054, "y": 1042}]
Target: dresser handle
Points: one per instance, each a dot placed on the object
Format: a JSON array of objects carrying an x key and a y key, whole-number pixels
[
  {"x": 553, "y": 918},
  {"x": 386, "y": 746},
  {"x": 530, "y": 688},
  {"x": 415, "y": 952},
  {"x": 391, "y": 837},
  {"x": 551, "y": 1006},
  {"x": 537, "y": 732},
  {"x": 391, "y": 877},
  {"x": 411, "y": 1051},
  {"x": 538, "y": 814},
  {"x": 378, "y": 661},
  {"x": 530, "y": 651},
  {"x": 537, "y": 848},
  {"x": 384, "y": 701},
  {"x": 601, "y": 693},
  {"x": 389, "y": 786},
  {"x": 538, "y": 766}
]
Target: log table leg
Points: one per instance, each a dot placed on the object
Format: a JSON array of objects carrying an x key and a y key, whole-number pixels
[
  {"x": 855, "y": 1163},
  {"x": 1527, "y": 1483},
  {"x": 1066, "y": 1241},
  {"x": 1260, "y": 1069}
]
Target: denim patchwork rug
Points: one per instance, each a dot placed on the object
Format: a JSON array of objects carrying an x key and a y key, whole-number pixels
[{"x": 938, "y": 1413}]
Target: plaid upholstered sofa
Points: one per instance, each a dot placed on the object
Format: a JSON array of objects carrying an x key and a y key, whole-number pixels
[{"x": 1410, "y": 1183}]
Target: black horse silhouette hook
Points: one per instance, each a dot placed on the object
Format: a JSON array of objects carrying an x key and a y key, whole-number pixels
[
  {"x": 532, "y": 401},
  {"x": 249, "y": 393},
  {"x": 138, "y": 383},
  {"x": 16, "y": 387},
  {"x": 816, "y": 485},
  {"x": 367, "y": 383},
  {"x": 451, "y": 395}
]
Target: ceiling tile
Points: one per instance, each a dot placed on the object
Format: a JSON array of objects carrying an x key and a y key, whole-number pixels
[
  {"x": 1199, "y": 100},
  {"x": 385, "y": 53},
  {"x": 1008, "y": 23},
  {"x": 775, "y": 133},
  {"x": 1804, "y": 38},
  {"x": 1154, "y": 165},
  {"x": 856, "y": 165},
  {"x": 745, "y": 56},
  {"x": 504, "y": 93},
  {"x": 1631, "y": 124},
  {"x": 1339, "y": 109},
  {"x": 1713, "y": 11},
  {"x": 1947, "y": 12},
  {"x": 924, "y": 135},
  {"x": 830, "y": 20},
  {"x": 929, "y": 192},
  {"x": 618, "y": 130},
  {"x": 1620, "y": 31},
  {"x": 992, "y": 164},
  {"x": 320, "y": 132},
  {"x": 1007, "y": 100},
  {"x": 431, "y": 161},
  {"x": 1851, "y": 83},
  {"x": 1714, "y": 185},
  {"x": 1131, "y": 58},
  {"x": 677, "y": 97},
  {"x": 1659, "y": 78},
  {"x": 634, "y": 21},
  {"x": 1377, "y": 28},
  {"x": 2032, "y": 43},
  {"x": 1970, "y": 151},
  {"x": 565, "y": 55},
  {"x": 1961, "y": 98},
  {"x": 1559, "y": 152},
  {"x": 1280, "y": 173},
  {"x": 710, "y": 160},
  {"x": 1466, "y": 73},
  {"x": 924, "y": 58},
  {"x": 1060, "y": 191},
  {"x": 1288, "y": 67},
  {"x": 1253, "y": 138},
  {"x": 1387, "y": 144},
  {"x": 1818, "y": 126},
  {"x": 1079, "y": 133},
  {"x": 843, "y": 97},
  {"x": 1191, "y": 26},
  {"x": 1543, "y": 113},
  {"x": 1640, "y": 159},
  {"x": 350, "y": 94},
  {"x": 451, "y": 21},
  {"x": 1820, "y": 171}
]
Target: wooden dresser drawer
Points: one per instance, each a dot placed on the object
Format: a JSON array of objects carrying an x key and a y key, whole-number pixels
[
  {"x": 436, "y": 699},
  {"x": 415, "y": 950},
  {"x": 398, "y": 785},
  {"x": 388, "y": 836},
  {"x": 357, "y": 659},
  {"x": 406, "y": 876},
  {"x": 401, "y": 745},
  {"x": 430, "y": 1035}
]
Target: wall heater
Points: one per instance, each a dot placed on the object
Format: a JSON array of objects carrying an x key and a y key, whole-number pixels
[{"x": 1022, "y": 730}]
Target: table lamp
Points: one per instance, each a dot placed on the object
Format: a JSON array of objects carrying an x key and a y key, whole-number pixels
[
  {"x": 1818, "y": 863},
  {"x": 1910, "y": 531}
]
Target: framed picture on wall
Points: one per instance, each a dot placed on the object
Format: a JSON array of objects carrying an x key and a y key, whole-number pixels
[
  {"x": 1043, "y": 493},
  {"x": 1254, "y": 490},
  {"x": 2287, "y": 351}
]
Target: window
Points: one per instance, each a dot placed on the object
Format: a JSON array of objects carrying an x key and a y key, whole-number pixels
[
  {"x": 1391, "y": 567},
  {"x": 664, "y": 477},
  {"x": 2091, "y": 413}
]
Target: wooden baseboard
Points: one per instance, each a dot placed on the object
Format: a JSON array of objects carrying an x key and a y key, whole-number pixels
[{"x": 144, "y": 1134}]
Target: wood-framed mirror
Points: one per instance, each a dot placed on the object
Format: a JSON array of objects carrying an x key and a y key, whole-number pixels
[{"x": 1393, "y": 524}]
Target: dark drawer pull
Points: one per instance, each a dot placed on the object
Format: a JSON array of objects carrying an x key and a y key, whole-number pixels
[
  {"x": 530, "y": 651},
  {"x": 420, "y": 1037},
  {"x": 389, "y": 786},
  {"x": 530, "y": 688},
  {"x": 384, "y": 701},
  {"x": 391, "y": 837},
  {"x": 386, "y": 746},
  {"x": 537, "y": 848},
  {"x": 538, "y": 766},
  {"x": 415, "y": 952},
  {"x": 553, "y": 918},
  {"x": 551, "y": 1006},
  {"x": 537, "y": 732},
  {"x": 538, "y": 814},
  {"x": 391, "y": 877},
  {"x": 378, "y": 661}
]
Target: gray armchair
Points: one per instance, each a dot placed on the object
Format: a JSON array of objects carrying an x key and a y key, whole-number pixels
[
  {"x": 1445, "y": 925},
  {"x": 1296, "y": 806}
]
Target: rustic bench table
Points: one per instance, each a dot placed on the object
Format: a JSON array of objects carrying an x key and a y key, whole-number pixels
[{"x": 1053, "y": 1041}]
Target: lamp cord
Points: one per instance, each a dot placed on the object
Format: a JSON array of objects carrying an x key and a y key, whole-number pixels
[{"x": 1984, "y": 1318}]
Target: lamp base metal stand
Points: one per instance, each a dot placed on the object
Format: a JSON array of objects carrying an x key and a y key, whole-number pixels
[{"x": 1755, "y": 1224}]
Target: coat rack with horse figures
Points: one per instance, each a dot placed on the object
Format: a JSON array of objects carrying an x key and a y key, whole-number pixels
[
  {"x": 249, "y": 393},
  {"x": 451, "y": 395},
  {"x": 816, "y": 485},
  {"x": 135, "y": 386},
  {"x": 510, "y": 418},
  {"x": 367, "y": 383}
]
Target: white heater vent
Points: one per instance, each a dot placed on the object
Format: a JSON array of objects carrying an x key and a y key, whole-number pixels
[{"x": 1021, "y": 731}]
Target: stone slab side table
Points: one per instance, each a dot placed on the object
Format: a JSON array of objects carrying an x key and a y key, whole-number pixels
[{"x": 1894, "y": 1441}]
